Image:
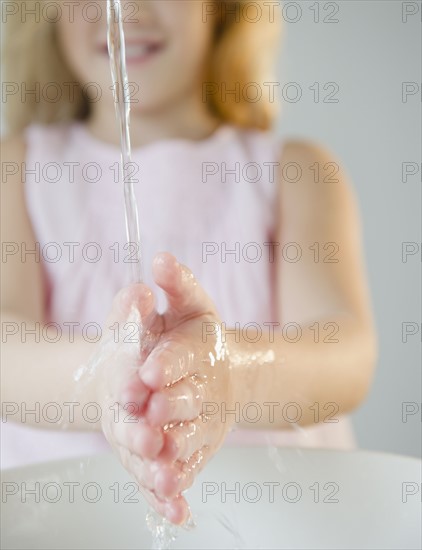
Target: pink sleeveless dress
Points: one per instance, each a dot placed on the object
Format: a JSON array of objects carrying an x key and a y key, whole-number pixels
[{"x": 211, "y": 203}]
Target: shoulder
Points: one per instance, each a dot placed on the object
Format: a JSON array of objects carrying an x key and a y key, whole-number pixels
[
  {"x": 21, "y": 282},
  {"x": 13, "y": 154},
  {"x": 304, "y": 152},
  {"x": 314, "y": 176},
  {"x": 13, "y": 148}
]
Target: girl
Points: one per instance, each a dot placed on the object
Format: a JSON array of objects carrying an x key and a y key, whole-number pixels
[{"x": 265, "y": 325}]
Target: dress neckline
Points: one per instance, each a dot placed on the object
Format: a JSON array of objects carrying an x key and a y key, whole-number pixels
[{"x": 219, "y": 133}]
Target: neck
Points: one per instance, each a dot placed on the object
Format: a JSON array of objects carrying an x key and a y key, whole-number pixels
[{"x": 189, "y": 119}]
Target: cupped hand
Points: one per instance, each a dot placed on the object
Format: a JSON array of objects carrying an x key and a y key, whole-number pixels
[{"x": 157, "y": 389}]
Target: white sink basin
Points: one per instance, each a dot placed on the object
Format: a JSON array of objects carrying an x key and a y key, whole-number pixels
[{"x": 308, "y": 499}]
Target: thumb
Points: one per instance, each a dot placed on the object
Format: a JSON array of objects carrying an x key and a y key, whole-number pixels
[
  {"x": 133, "y": 318},
  {"x": 130, "y": 306},
  {"x": 134, "y": 302},
  {"x": 185, "y": 296}
]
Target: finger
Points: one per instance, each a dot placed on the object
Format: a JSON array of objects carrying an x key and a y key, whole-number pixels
[
  {"x": 124, "y": 385},
  {"x": 168, "y": 363},
  {"x": 171, "y": 480},
  {"x": 134, "y": 320},
  {"x": 177, "y": 403},
  {"x": 138, "y": 296},
  {"x": 169, "y": 452},
  {"x": 190, "y": 468},
  {"x": 124, "y": 326},
  {"x": 167, "y": 481},
  {"x": 164, "y": 480},
  {"x": 139, "y": 468},
  {"x": 186, "y": 438},
  {"x": 153, "y": 326},
  {"x": 185, "y": 296},
  {"x": 132, "y": 393},
  {"x": 175, "y": 510},
  {"x": 139, "y": 437}
]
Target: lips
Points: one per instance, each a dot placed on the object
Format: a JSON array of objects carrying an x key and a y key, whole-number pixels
[
  {"x": 141, "y": 51},
  {"x": 138, "y": 51}
]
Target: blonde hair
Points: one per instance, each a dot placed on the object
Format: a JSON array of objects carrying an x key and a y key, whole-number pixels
[{"x": 240, "y": 65}]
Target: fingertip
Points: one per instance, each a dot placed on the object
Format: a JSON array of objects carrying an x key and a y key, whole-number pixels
[
  {"x": 135, "y": 395},
  {"x": 185, "y": 296},
  {"x": 167, "y": 481},
  {"x": 151, "y": 375},
  {"x": 164, "y": 265},
  {"x": 148, "y": 442},
  {"x": 164, "y": 259},
  {"x": 137, "y": 295},
  {"x": 143, "y": 299},
  {"x": 170, "y": 450},
  {"x": 120, "y": 301},
  {"x": 177, "y": 511},
  {"x": 158, "y": 409}
]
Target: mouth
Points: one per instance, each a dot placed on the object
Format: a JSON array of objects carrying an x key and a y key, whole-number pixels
[{"x": 138, "y": 51}]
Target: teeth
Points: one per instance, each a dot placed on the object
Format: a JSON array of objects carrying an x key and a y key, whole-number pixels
[{"x": 136, "y": 50}]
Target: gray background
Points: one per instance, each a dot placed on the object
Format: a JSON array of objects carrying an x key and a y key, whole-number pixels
[{"x": 369, "y": 53}]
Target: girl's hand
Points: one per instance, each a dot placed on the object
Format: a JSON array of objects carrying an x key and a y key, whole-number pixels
[{"x": 181, "y": 371}]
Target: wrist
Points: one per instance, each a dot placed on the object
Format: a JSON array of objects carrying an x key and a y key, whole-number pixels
[
  {"x": 239, "y": 370},
  {"x": 90, "y": 391}
]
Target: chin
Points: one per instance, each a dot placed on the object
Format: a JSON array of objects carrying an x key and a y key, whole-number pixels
[{"x": 148, "y": 107}]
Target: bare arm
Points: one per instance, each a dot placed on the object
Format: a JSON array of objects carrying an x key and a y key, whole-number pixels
[
  {"x": 31, "y": 372},
  {"x": 189, "y": 379},
  {"x": 329, "y": 352}
]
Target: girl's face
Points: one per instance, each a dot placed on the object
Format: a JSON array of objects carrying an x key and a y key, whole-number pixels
[{"x": 167, "y": 43}]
